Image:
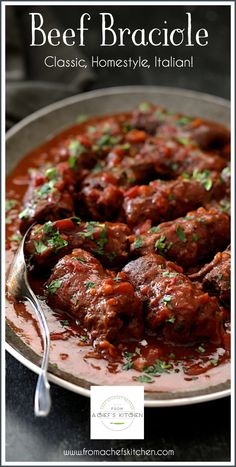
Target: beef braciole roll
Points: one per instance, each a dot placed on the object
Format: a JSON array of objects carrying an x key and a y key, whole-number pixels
[
  {"x": 177, "y": 309},
  {"x": 166, "y": 200},
  {"x": 105, "y": 304},
  {"x": 188, "y": 240},
  {"x": 49, "y": 242},
  {"x": 170, "y": 157},
  {"x": 215, "y": 276},
  {"x": 50, "y": 195},
  {"x": 157, "y": 120}
]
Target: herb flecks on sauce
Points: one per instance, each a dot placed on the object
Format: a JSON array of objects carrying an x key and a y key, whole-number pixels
[
  {"x": 54, "y": 285},
  {"x": 51, "y": 239},
  {"x": 161, "y": 246},
  {"x": 76, "y": 149}
]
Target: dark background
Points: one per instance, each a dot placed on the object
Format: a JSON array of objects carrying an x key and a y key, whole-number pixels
[
  {"x": 31, "y": 85},
  {"x": 196, "y": 433}
]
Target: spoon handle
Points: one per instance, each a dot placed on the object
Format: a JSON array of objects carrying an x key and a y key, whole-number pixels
[
  {"x": 42, "y": 398},
  {"x": 42, "y": 402}
]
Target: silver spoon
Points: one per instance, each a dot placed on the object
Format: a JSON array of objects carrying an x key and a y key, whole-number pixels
[{"x": 19, "y": 289}]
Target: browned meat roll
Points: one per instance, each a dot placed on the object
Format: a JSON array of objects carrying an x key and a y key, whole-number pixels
[
  {"x": 171, "y": 157},
  {"x": 49, "y": 196},
  {"x": 188, "y": 240},
  {"x": 166, "y": 200},
  {"x": 215, "y": 276},
  {"x": 157, "y": 120},
  {"x": 105, "y": 305},
  {"x": 49, "y": 242},
  {"x": 175, "y": 308}
]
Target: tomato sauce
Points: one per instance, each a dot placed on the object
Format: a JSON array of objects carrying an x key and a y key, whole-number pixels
[{"x": 168, "y": 368}]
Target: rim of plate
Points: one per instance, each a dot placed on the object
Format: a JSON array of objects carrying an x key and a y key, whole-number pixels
[{"x": 113, "y": 91}]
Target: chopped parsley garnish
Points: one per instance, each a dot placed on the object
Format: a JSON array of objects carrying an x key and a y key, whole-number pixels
[
  {"x": 103, "y": 240},
  {"x": 75, "y": 150},
  {"x": 144, "y": 107},
  {"x": 54, "y": 285},
  {"x": 154, "y": 229},
  {"x": 183, "y": 141},
  {"x": 8, "y": 219},
  {"x": 10, "y": 203},
  {"x": 138, "y": 243},
  {"x": 108, "y": 140},
  {"x": 84, "y": 338},
  {"x": 48, "y": 227},
  {"x": 185, "y": 175},
  {"x": 181, "y": 234},
  {"x": 117, "y": 279},
  {"x": 158, "y": 368},
  {"x": 51, "y": 238},
  {"x": 81, "y": 260},
  {"x": 171, "y": 319},
  {"x": 127, "y": 127},
  {"x": 91, "y": 228},
  {"x": 167, "y": 298},
  {"x": 54, "y": 365},
  {"x": 207, "y": 184},
  {"x": 203, "y": 178},
  {"x": 90, "y": 285},
  {"x": 24, "y": 214},
  {"x": 128, "y": 361},
  {"x": 126, "y": 146},
  {"x": 169, "y": 274},
  {"x": 56, "y": 241},
  {"x": 161, "y": 246},
  {"x": 226, "y": 171},
  {"x": 89, "y": 231},
  {"x": 104, "y": 140},
  {"x": 40, "y": 247},
  {"x": 45, "y": 189},
  {"x": 64, "y": 322},
  {"x": 189, "y": 217},
  {"x": 183, "y": 121},
  {"x": 145, "y": 379},
  {"x": 201, "y": 348},
  {"x": 92, "y": 129},
  {"x": 213, "y": 361},
  {"x": 131, "y": 179},
  {"x": 76, "y": 219},
  {"x": 51, "y": 173},
  {"x": 16, "y": 238}
]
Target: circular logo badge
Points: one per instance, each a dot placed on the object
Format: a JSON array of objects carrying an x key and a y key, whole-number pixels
[{"x": 117, "y": 413}]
